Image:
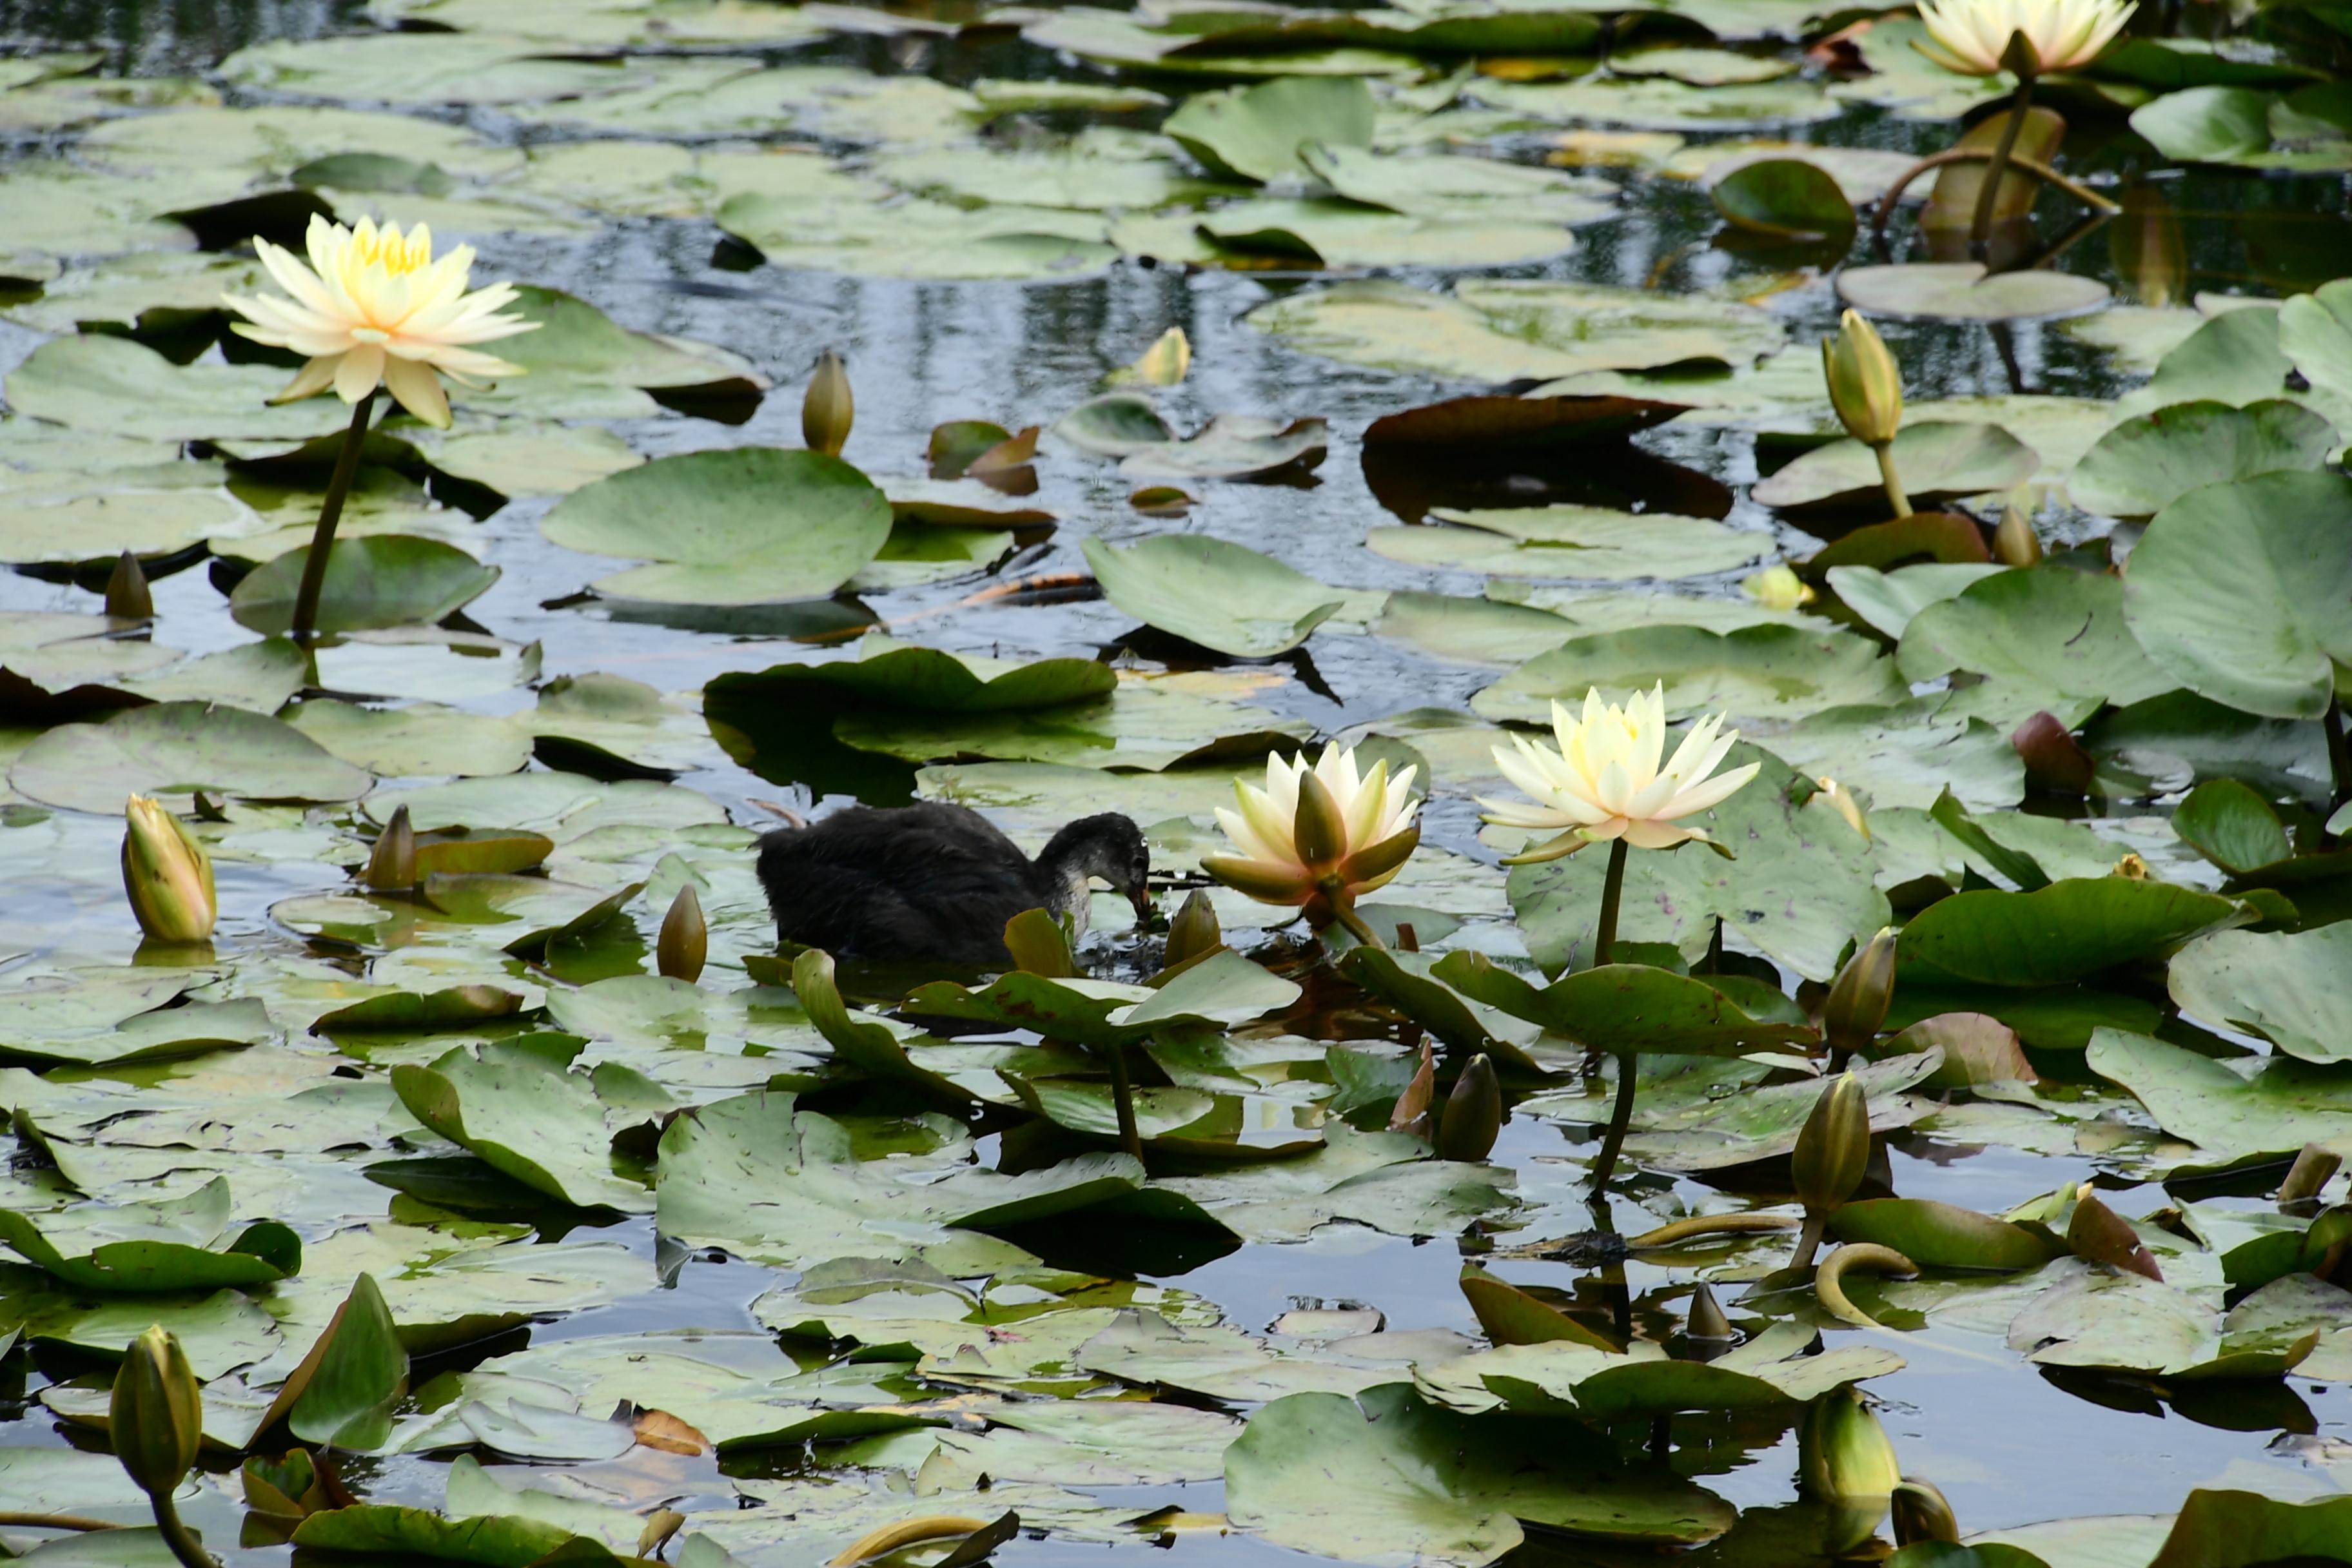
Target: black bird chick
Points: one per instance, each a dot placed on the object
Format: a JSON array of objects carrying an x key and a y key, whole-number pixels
[{"x": 937, "y": 882}]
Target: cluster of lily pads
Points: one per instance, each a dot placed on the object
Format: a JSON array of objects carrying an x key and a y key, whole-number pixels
[{"x": 458, "y": 1051}]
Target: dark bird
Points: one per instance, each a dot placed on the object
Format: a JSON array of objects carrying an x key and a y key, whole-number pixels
[{"x": 937, "y": 882}]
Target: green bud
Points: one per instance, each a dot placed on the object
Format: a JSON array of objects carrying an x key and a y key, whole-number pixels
[
  {"x": 156, "y": 1418},
  {"x": 1859, "y": 999},
  {"x": 167, "y": 874},
  {"x": 1472, "y": 1114},
  {"x": 2015, "y": 542},
  {"x": 127, "y": 595},
  {"x": 1832, "y": 1147},
  {"x": 685, "y": 939},
  {"x": 827, "y": 410},
  {"x": 1706, "y": 1320},
  {"x": 1923, "y": 1513},
  {"x": 1193, "y": 931},
  {"x": 1844, "y": 1459},
  {"x": 392, "y": 865},
  {"x": 1866, "y": 383}
]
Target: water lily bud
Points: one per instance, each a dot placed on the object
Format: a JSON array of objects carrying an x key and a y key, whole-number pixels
[
  {"x": 1832, "y": 1147},
  {"x": 1845, "y": 1459},
  {"x": 167, "y": 874},
  {"x": 1193, "y": 931},
  {"x": 2131, "y": 867},
  {"x": 1922, "y": 1512},
  {"x": 2055, "y": 762},
  {"x": 2015, "y": 542},
  {"x": 127, "y": 595},
  {"x": 1473, "y": 1115},
  {"x": 1840, "y": 799},
  {"x": 1166, "y": 361},
  {"x": 685, "y": 939},
  {"x": 2312, "y": 1169},
  {"x": 392, "y": 865},
  {"x": 1866, "y": 383},
  {"x": 1706, "y": 1320},
  {"x": 1859, "y": 999},
  {"x": 1777, "y": 588},
  {"x": 156, "y": 1419},
  {"x": 827, "y": 410}
]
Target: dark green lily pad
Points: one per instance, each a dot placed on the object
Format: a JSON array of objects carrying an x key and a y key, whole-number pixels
[
  {"x": 1623, "y": 1008},
  {"x": 1941, "y": 1235},
  {"x": 2068, "y": 931},
  {"x": 168, "y": 1244},
  {"x": 1784, "y": 197},
  {"x": 2144, "y": 465},
  {"x": 381, "y": 580}
]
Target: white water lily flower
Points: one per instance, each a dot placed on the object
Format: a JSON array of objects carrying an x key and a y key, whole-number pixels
[
  {"x": 375, "y": 309},
  {"x": 1971, "y": 36},
  {"x": 1605, "y": 782},
  {"x": 1309, "y": 858}
]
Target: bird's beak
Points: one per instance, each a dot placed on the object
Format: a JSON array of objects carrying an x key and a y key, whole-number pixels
[{"x": 1142, "y": 898}]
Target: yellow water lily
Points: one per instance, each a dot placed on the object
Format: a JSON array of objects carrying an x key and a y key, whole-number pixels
[
  {"x": 375, "y": 308},
  {"x": 166, "y": 874},
  {"x": 1318, "y": 837},
  {"x": 1605, "y": 782},
  {"x": 1971, "y": 35}
]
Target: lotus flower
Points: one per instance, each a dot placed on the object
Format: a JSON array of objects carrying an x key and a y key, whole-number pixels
[
  {"x": 375, "y": 309},
  {"x": 1971, "y": 35},
  {"x": 1318, "y": 837},
  {"x": 1605, "y": 782}
]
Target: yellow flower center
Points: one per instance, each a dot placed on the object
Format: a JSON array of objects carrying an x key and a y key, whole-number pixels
[{"x": 390, "y": 250}]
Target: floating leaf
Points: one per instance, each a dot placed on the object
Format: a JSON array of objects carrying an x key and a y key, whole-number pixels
[
  {"x": 1255, "y": 133},
  {"x": 1936, "y": 461},
  {"x": 2293, "y": 989},
  {"x": 1784, "y": 197},
  {"x": 2144, "y": 465},
  {"x": 1221, "y": 595},
  {"x": 168, "y": 1244},
  {"x": 1580, "y": 542},
  {"x": 1961, "y": 291},
  {"x": 380, "y": 580},
  {"x": 172, "y": 749},
  {"x": 2068, "y": 931},
  {"x": 527, "y": 1116},
  {"x": 1754, "y": 672}
]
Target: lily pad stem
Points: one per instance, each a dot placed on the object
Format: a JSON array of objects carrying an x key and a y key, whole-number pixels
[
  {"x": 1808, "y": 1240},
  {"x": 12, "y": 1520},
  {"x": 1676, "y": 1232},
  {"x": 1613, "y": 889},
  {"x": 1620, "y": 1116},
  {"x": 2018, "y": 164},
  {"x": 331, "y": 512},
  {"x": 177, "y": 1535},
  {"x": 1123, "y": 1099},
  {"x": 1896, "y": 496},
  {"x": 1988, "y": 194}
]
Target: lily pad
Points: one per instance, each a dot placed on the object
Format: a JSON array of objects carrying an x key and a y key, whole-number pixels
[
  {"x": 2240, "y": 592},
  {"x": 746, "y": 525},
  {"x": 1386, "y": 1478},
  {"x": 168, "y": 1244},
  {"x": 173, "y": 749},
  {"x": 1255, "y": 133},
  {"x": 528, "y": 1116},
  {"x": 1622, "y": 1008},
  {"x": 2068, "y": 931},
  {"x": 1961, "y": 291},
  {"x": 1578, "y": 541},
  {"x": 1234, "y": 447},
  {"x": 1936, "y": 462},
  {"x": 1784, "y": 197},
  {"x": 2144, "y": 465},
  {"x": 2271, "y": 1106},
  {"x": 1643, "y": 1383},
  {"x": 2293, "y": 989},
  {"x": 2043, "y": 629},
  {"x": 381, "y": 580},
  {"x": 1754, "y": 672},
  {"x": 1221, "y": 595}
]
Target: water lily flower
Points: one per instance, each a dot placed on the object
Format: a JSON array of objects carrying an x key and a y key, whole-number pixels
[
  {"x": 1971, "y": 35},
  {"x": 1318, "y": 837},
  {"x": 1605, "y": 782},
  {"x": 166, "y": 874},
  {"x": 375, "y": 308}
]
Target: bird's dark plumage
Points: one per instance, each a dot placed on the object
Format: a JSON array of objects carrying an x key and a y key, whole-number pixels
[{"x": 934, "y": 881}]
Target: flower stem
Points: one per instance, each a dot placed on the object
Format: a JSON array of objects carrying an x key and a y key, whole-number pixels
[
  {"x": 1620, "y": 1116},
  {"x": 331, "y": 512},
  {"x": 2018, "y": 164},
  {"x": 178, "y": 1536},
  {"x": 1896, "y": 496},
  {"x": 1123, "y": 1100},
  {"x": 1989, "y": 194},
  {"x": 1613, "y": 889},
  {"x": 1808, "y": 1241},
  {"x": 2339, "y": 751},
  {"x": 13, "y": 1520},
  {"x": 1343, "y": 909}
]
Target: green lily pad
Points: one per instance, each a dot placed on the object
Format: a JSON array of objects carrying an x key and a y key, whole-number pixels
[
  {"x": 112, "y": 384},
  {"x": 2144, "y": 465},
  {"x": 2239, "y": 591},
  {"x": 1223, "y": 988},
  {"x": 2068, "y": 931},
  {"x": 1564, "y": 1378},
  {"x": 1580, "y": 542},
  {"x": 527, "y": 1116},
  {"x": 1766, "y": 672},
  {"x": 2270, "y": 1106},
  {"x": 168, "y": 1244},
  {"x": 1888, "y": 600},
  {"x": 1941, "y": 1235},
  {"x": 2293, "y": 989},
  {"x": 1961, "y": 291},
  {"x": 1255, "y": 133},
  {"x": 381, "y": 580},
  {"x": 2126, "y": 1321},
  {"x": 746, "y": 525},
  {"x": 1222, "y": 596},
  {"x": 1784, "y": 197},
  {"x": 2315, "y": 334},
  {"x": 1936, "y": 461},
  {"x": 1460, "y": 188},
  {"x": 1234, "y": 447},
  {"x": 1115, "y": 425},
  {"x": 1622, "y": 1008},
  {"x": 173, "y": 749},
  {"x": 1315, "y": 232},
  {"x": 917, "y": 239},
  {"x": 2042, "y": 629},
  {"x": 422, "y": 739},
  {"x": 1387, "y": 1478},
  {"x": 1662, "y": 103},
  {"x": 88, "y": 519},
  {"x": 1503, "y": 330},
  {"x": 1906, "y": 754}
]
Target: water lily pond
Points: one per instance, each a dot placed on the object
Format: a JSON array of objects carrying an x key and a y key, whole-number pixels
[{"x": 1912, "y": 1132}]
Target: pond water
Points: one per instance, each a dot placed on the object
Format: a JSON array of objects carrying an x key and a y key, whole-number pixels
[{"x": 2010, "y": 1442}]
